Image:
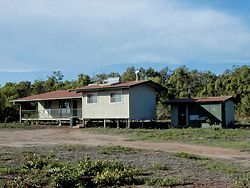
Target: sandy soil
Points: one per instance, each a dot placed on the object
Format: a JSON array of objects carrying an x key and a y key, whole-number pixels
[{"x": 55, "y": 136}]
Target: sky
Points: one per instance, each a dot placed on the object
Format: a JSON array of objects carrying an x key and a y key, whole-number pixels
[{"x": 98, "y": 36}]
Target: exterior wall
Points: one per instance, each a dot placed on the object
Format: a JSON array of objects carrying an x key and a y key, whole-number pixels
[
  {"x": 174, "y": 115},
  {"x": 214, "y": 109},
  {"x": 142, "y": 103},
  {"x": 103, "y": 109},
  {"x": 229, "y": 112}
]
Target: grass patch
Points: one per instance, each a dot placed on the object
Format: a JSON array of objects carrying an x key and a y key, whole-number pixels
[
  {"x": 218, "y": 166},
  {"x": 172, "y": 181},
  {"x": 190, "y": 156},
  {"x": 7, "y": 170},
  {"x": 109, "y": 150},
  {"x": 158, "y": 166},
  {"x": 212, "y": 165},
  {"x": 74, "y": 147},
  {"x": 20, "y": 126},
  {"x": 228, "y": 138}
]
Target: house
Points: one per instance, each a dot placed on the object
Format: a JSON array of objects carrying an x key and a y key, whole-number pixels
[
  {"x": 202, "y": 112},
  {"x": 134, "y": 100}
]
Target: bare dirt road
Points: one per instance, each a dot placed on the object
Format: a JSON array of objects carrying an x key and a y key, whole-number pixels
[{"x": 57, "y": 136}]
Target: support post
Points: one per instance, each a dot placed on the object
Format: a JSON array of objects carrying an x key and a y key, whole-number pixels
[
  {"x": 128, "y": 123},
  {"x": 83, "y": 123},
  {"x": 20, "y": 114},
  {"x": 142, "y": 123},
  {"x": 104, "y": 123},
  {"x": 118, "y": 123}
]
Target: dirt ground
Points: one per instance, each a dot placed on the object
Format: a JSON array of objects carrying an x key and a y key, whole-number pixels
[{"x": 58, "y": 136}]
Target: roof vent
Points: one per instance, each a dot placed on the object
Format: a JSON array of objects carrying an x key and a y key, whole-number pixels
[
  {"x": 94, "y": 84},
  {"x": 111, "y": 81}
]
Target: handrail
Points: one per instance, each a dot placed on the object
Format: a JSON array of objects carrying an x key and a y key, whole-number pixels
[{"x": 52, "y": 113}]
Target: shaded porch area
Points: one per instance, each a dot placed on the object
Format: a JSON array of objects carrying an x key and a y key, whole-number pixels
[{"x": 60, "y": 109}]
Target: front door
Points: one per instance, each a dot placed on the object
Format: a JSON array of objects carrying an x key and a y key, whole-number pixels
[
  {"x": 74, "y": 107},
  {"x": 182, "y": 115}
]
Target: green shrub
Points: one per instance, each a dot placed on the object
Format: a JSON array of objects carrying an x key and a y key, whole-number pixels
[
  {"x": 43, "y": 170},
  {"x": 173, "y": 181},
  {"x": 34, "y": 161},
  {"x": 243, "y": 181},
  {"x": 64, "y": 176},
  {"x": 116, "y": 177}
]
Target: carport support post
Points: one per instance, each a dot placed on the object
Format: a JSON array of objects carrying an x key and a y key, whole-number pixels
[
  {"x": 20, "y": 113},
  {"x": 104, "y": 123},
  {"x": 83, "y": 122},
  {"x": 128, "y": 123},
  {"x": 118, "y": 123}
]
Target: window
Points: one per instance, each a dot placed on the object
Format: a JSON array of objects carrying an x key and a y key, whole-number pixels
[
  {"x": 92, "y": 98},
  {"x": 116, "y": 97},
  {"x": 47, "y": 104},
  {"x": 64, "y": 104}
]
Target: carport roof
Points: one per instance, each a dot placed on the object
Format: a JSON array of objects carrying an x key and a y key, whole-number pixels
[{"x": 201, "y": 100}]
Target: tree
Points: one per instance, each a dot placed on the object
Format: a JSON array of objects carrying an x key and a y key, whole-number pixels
[
  {"x": 83, "y": 80},
  {"x": 129, "y": 74},
  {"x": 38, "y": 87},
  {"x": 99, "y": 78}
]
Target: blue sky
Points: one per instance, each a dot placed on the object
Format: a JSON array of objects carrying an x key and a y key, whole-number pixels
[{"x": 93, "y": 36}]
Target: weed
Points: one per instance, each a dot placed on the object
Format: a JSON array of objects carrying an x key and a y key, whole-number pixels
[{"x": 109, "y": 150}]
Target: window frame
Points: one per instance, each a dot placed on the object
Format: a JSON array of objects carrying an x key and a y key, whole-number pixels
[
  {"x": 93, "y": 94},
  {"x": 115, "y": 92}
]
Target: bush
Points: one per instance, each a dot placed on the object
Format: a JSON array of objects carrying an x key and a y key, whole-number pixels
[
  {"x": 39, "y": 171},
  {"x": 173, "y": 181}
]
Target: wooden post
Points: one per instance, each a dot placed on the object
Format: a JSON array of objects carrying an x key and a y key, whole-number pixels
[
  {"x": 83, "y": 122},
  {"x": 118, "y": 123},
  {"x": 20, "y": 114},
  {"x": 128, "y": 123},
  {"x": 104, "y": 123}
]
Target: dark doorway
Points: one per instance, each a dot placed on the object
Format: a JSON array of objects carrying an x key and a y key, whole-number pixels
[
  {"x": 74, "y": 107},
  {"x": 182, "y": 115}
]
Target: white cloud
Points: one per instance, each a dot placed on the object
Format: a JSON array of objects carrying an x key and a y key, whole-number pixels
[{"x": 83, "y": 34}]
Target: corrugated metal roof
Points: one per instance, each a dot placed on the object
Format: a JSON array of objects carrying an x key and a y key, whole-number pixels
[
  {"x": 65, "y": 94},
  {"x": 201, "y": 100},
  {"x": 214, "y": 99},
  {"x": 61, "y": 94},
  {"x": 119, "y": 85}
]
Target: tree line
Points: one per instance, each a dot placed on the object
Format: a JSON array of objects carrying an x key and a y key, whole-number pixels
[{"x": 179, "y": 83}]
